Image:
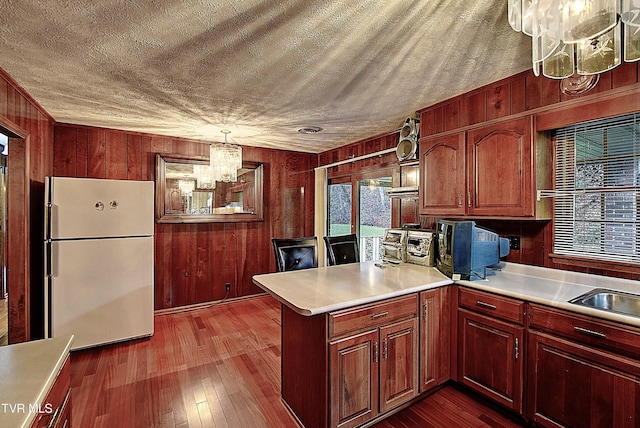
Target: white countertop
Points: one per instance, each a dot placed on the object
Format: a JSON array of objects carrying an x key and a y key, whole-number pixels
[
  {"x": 320, "y": 290},
  {"x": 27, "y": 372},
  {"x": 326, "y": 289}
]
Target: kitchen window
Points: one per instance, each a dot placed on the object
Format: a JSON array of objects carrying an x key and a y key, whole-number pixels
[{"x": 597, "y": 190}]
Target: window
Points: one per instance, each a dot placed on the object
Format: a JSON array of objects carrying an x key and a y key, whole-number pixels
[{"x": 597, "y": 190}]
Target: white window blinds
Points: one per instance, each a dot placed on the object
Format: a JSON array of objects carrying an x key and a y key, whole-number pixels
[{"x": 597, "y": 190}]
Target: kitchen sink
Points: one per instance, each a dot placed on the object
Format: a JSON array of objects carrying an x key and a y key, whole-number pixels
[{"x": 610, "y": 300}]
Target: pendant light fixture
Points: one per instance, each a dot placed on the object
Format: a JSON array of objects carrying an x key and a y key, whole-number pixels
[
  {"x": 225, "y": 159},
  {"x": 578, "y": 37}
]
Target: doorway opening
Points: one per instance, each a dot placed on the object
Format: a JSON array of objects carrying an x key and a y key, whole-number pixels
[
  {"x": 360, "y": 206},
  {"x": 4, "y": 297}
]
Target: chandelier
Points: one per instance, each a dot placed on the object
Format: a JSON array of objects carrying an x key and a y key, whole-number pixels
[
  {"x": 186, "y": 187},
  {"x": 225, "y": 159},
  {"x": 579, "y": 38}
]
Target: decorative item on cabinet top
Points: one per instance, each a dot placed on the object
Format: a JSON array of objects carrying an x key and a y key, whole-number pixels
[
  {"x": 408, "y": 141},
  {"x": 183, "y": 196}
]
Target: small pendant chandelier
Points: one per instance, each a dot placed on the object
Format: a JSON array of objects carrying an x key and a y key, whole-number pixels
[
  {"x": 578, "y": 37},
  {"x": 225, "y": 159}
]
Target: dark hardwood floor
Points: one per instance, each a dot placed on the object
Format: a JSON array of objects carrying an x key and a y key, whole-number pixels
[{"x": 220, "y": 367}]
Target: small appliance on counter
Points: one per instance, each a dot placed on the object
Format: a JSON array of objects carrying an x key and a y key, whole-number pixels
[
  {"x": 394, "y": 244},
  {"x": 409, "y": 245},
  {"x": 420, "y": 247},
  {"x": 466, "y": 250}
]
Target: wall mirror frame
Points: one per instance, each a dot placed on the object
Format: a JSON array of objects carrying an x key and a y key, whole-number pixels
[{"x": 239, "y": 201}]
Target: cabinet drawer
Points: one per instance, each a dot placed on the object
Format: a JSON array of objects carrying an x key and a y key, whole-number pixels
[
  {"x": 493, "y": 305},
  {"x": 373, "y": 315},
  {"x": 592, "y": 331}
]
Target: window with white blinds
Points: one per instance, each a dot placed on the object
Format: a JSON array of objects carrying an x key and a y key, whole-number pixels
[{"x": 597, "y": 190}]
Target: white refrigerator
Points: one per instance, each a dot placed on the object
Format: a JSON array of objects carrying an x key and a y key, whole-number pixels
[{"x": 99, "y": 259}]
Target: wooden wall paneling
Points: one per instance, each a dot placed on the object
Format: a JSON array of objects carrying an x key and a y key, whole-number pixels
[
  {"x": 499, "y": 101},
  {"x": 183, "y": 259},
  {"x": 452, "y": 115},
  {"x": 96, "y": 153},
  {"x": 248, "y": 239},
  {"x": 148, "y": 159},
  {"x": 64, "y": 155},
  {"x": 624, "y": 75},
  {"x": 440, "y": 119},
  {"x": 134, "y": 157},
  {"x": 473, "y": 109},
  {"x": 541, "y": 91},
  {"x": 518, "y": 93},
  {"x": 204, "y": 268},
  {"x": 12, "y": 95},
  {"x": 4, "y": 98},
  {"x": 82, "y": 152},
  {"x": 116, "y": 155},
  {"x": 161, "y": 295},
  {"x": 427, "y": 122}
]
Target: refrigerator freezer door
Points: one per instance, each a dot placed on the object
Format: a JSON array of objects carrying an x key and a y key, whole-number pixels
[
  {"x": 92, "y": 208},
  {"x": 101, "y": 291}
]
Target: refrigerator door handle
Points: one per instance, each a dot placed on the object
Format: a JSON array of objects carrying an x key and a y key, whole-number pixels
[{"x": 49, "y": 262}]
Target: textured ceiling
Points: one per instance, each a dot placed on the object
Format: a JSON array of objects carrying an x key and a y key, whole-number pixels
[{"x": 261, "y": 69}]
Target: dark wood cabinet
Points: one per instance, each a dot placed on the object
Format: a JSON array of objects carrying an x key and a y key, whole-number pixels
[
  {"x": 582, "y": 371},
  {"x": 572, "y": 385},
  {"x": 353, "y": 379},
  {"x": 435, "y": 337},
  {"x": 398, "y": 363},
  {"x": 493, "y": 171},
  {"x": 490, "y": 350},
  {"x": 442, "y": 189},
  {"x": 374, "y": 371},
  {"x": 500, "y": 170},
  {"x": 348, "y": 367}
]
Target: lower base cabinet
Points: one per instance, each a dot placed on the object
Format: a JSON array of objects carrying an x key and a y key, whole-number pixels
[
  {"x": 572, "y": 385},
  {"x": 348, "y": 367},
  {"x": 372, "y": 372}
]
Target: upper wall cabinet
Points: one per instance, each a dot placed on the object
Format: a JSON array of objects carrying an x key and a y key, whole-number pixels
[
  {"x": 183, "y": 197},
  {"x": 442, "y": 186},
  {"x": 490, "y": 172}
]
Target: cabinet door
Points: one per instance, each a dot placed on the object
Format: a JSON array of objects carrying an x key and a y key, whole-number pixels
[
  {"x": 398, "y": 363},
  {"x": 489, "y": 358},
  {"x": 353, "y": 379},
  {"x": 442, "y": 176},
  {"x": 574, "y": 386},
  {"x": 435, "y": 340},
  {"x": 500, "y": 166}
]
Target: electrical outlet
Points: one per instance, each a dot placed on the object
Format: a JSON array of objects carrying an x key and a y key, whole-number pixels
[
  {"x": 514, "y": 242},
  {"x": 227, "y": 287}
]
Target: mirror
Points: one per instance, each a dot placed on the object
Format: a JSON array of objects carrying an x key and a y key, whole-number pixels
[{"x": 182, "y": 198}]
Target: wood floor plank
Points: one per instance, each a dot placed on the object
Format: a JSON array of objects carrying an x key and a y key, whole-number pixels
[{"x": 219, "y": 367}]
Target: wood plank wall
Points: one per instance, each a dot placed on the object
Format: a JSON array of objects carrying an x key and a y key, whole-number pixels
[
  {"x": 194, "y": 261},
  {"x": 31, "y": 127},
  {"x": 516, "y": 96}
]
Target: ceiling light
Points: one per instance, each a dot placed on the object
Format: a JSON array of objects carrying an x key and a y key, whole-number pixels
[
  {"x": 309, "y": 130},
  {"x": 578, "y": 37},
  {"x": 225, "y": 159}
]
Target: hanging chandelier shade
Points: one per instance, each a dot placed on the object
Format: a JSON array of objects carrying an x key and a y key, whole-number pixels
[
  {"x": 225, "y": 160},
  {"x": 583, "y": 37}
]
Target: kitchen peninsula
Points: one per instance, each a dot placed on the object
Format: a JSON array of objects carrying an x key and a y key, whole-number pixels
[
  {"x": 358, "y": 340},
  {"x": 342, "y": 326}
]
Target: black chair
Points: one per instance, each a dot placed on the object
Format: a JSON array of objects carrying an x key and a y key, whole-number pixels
[
  {"x": 342, "y": 249},
  {"x": 295, "y": 253}
]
